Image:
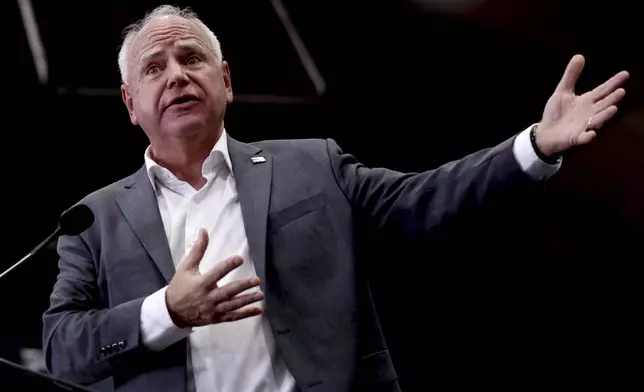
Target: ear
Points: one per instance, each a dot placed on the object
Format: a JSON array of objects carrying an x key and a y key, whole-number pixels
[
  {"x": 225, "y": 71},
  {"x": 127, "y": 100}
]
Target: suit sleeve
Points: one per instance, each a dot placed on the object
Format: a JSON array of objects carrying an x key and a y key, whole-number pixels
[
  {"x": 415, "y": 204},
  {"x": 83, "y": 340}
]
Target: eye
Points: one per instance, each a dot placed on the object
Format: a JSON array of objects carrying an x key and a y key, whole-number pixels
[
  {"x": 152, "y": 69},
  {"x": 192, "y": 60}
]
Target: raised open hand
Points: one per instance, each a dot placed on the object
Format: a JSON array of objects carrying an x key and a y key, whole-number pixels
[
  {"x": 195, "y": 299},
  {"x": 570, "y": 120}
]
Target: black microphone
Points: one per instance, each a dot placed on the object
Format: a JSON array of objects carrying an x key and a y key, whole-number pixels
[{"x": 72, "y": 222}]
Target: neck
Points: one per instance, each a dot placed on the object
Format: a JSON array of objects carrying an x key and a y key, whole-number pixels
[{"x": 184, "y": 157}]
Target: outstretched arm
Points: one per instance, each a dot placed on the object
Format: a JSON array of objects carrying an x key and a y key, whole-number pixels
[{"x": 419, "y": 203}]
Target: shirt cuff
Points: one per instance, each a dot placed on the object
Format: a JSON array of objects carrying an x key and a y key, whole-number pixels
[
  {"x": 157, "y": 329},
  {"x": 529, "y": 161}
]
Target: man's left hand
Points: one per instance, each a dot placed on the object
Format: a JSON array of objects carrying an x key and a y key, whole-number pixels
[{"x": 571, "y": 120}]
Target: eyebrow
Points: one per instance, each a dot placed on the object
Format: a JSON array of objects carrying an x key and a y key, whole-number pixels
[
  {"x": 189, "y": 45},
  {"x": 148, "y": 54}
]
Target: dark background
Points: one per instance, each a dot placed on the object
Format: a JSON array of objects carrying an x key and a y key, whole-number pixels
[{"x": 545, "y": 296}]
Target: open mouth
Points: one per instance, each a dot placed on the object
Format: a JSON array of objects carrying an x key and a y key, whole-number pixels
[{"x": 183, "y": 100}]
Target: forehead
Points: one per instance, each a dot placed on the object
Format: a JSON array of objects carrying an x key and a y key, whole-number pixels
[{"x": 164, "y": 32}]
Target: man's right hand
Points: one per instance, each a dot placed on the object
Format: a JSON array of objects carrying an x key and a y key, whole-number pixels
[{"x": 194, "y": 299}]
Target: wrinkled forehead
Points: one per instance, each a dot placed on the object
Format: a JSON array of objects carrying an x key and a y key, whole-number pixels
[{"x": 167, "y": 32}]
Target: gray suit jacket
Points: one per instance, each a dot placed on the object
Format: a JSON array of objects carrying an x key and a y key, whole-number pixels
[{"x": 301, "y": 209}]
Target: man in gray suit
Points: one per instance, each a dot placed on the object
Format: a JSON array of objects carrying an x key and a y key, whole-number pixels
[{"x": 224, "y": 266}]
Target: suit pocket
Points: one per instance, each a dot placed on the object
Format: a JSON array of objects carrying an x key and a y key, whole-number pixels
[
  {"x": 376, "y": 368},
  {"x": 297, "y": 210},
  {"x": 304, "y": 250}
]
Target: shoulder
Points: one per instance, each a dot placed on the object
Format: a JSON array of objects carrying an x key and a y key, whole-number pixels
[
  {"x": 297, "y": 150},
  {"x": 293, "y": 145},
  {"x": 300, "y": 146},
  {"x": 98, "y": 198},
  {"x": 311, "y": 158}
]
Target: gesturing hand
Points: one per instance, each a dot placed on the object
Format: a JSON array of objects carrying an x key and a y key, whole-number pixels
[
  {"x": 570, "y": 120},
  {"x": 194, "y": 299}
]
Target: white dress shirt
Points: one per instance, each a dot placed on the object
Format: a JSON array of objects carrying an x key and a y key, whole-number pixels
[{"x": 237, "y": 356}]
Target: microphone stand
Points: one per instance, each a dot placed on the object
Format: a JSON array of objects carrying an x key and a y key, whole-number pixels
[
  {"x": 35, "y": 250},
  {"x": 72, "y": 222}
]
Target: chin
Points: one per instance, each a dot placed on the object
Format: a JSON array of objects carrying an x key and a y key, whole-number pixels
[{"x": 186, "y": 126}]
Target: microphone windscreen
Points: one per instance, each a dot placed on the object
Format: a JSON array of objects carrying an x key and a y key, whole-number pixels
[{"x": 76, "y": 220}]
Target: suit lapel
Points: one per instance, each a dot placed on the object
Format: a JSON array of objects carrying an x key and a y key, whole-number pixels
[
  {"x": 253, "y": 180},
  {"x": 138, "y": 203}
]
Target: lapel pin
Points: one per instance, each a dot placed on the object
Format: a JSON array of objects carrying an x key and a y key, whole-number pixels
[{"x": 257, "y": 160}]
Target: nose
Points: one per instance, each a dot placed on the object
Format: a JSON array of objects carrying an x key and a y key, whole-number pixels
[{"x": 176, "y": 75}]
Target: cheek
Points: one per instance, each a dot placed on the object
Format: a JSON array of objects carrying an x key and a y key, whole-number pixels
[
  {"x": 147, "y": 102},
  {"x": 214, "y": 87}
]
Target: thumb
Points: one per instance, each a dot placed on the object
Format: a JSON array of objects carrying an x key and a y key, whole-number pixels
[
  {"x": 191, "y": 261},
  {"x": 572, "y": 74}
]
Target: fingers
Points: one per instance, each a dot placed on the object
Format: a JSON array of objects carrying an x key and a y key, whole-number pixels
[
  {"x": 239, "y": 302},
  {"x": 612, "y": 99},
  {"x": 586, "y": 137},
  {"x": 609, "y": 86},
  {"x": 598, "y": 120},
  {"x": 230, "y": 290},
  {"x": 240, "y": 314},
  {"x": 192, "y": 260},
  {"x": 572, "y": 73},
  {"x": 220, "y": 270}
]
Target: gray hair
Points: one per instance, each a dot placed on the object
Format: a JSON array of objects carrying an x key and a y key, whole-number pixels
[{"x": 130, "y": 33}]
